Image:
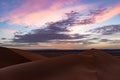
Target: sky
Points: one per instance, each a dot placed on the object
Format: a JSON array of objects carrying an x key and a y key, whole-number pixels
[{"x": 60, "y": 24}]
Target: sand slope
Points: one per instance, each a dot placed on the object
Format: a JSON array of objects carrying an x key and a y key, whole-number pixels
[
  {"x": 8, "y": 57},
  {"x": 118, "y": 57},
  {"x": 107, "y": 66},
  {"x": 90, "y": 65},
  {"x": 15, "y": 56},
  {"x": 29, "y": 55}
]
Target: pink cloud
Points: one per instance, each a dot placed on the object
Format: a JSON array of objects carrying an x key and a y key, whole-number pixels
[
  {"x": 98, "y": 17},
  {"x": 9, "y": 31},
  {"x": 60, "y": 3},
  {"x": 111, "y": 12},
  {"x": 35, "y": 12}
]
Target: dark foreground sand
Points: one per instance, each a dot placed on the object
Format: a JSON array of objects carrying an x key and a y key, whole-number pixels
[
  {"x": 89, "y": 65},
  {"x": 15, "y": 56}
]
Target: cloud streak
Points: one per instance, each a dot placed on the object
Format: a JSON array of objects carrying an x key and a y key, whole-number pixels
[
  {"x": 9, "y": 31},
  {"x": 106, "y": 30},
  {"x": 109, "y": 13},
  {"x": 41, "y": 11},
  {"x": 38, "y": 14}
]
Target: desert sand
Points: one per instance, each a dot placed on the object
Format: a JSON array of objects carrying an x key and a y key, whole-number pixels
[
  {"x": 29, "y": 55},
  {"x": 118, "y": 57},
  {"x": 8, "y": 57},
  {"x": 89, "y": 65},
  {"x": 15, "y": 56}
]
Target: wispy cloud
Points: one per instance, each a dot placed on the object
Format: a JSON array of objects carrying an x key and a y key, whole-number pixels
[
  {"x": 43, "y": 11},
  {"x": 109, "y": 13},
  {"x": 110, "y": 41},
  {"x": 9, "y": 31},
  {"x": 106, "y": 30},
  {"x": 37, "y": 12}
]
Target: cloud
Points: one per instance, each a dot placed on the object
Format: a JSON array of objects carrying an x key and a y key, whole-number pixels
[
  {"x": 107, "y": 30},
  {"x": 43, "y": 11},
  {"x": 9, "y": 31},
  {"x": 105, "y": 40},
  {"x": 53, "y": 31},
  {"x": 108, "y": 13},
  {"x": 39, "y": 14},
  {"x": 3, "y": 38},
  {"x": 101, "y": 14},
  {"x": 115, "y": 42},
  {"x": 96, "y": 16},
  {"x": 94, "y": 38},
  {"x": 13, "y": 45},
  {"x": 60, "y": 29},
  {"x": 110, "y": 41}
]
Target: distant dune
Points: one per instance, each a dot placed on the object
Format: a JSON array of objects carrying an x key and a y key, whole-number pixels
[
  {"x": 51, "y": 55},
  {"x": 89, "y": 65},
  {"x": 29, "y": 55},
  {"x": 118, "y": 57}
]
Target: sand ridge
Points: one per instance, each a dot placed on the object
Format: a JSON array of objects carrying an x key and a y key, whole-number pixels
[
  {"x": 29, "y": 55},
  {"x": 8, "y": 57},
  {"x": 89, "y": 65}
]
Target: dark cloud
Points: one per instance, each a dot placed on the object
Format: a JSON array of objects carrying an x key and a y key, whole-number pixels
[
  {"x": 110, "y": 41},
  {"x": 53, "y": 31},
  {"x": 58, "y": 30},
  {"x": 94, "y": 38},
  {"x": 84, "y": 41},
  {"x": 104, "y": 40},
  {"x": 81, "y": 19},
  {"x": 116, "y": 42},
  {"x": 44, "y": 37},
  {"x": 98, "y": 12},
  {"x": 90, "y": 18},
  {"x": 107, "y": 30},
  {"x": 87, "y": 42},
  {"x": 87, "y": 21},
  {"x": 3, "y": 38}
]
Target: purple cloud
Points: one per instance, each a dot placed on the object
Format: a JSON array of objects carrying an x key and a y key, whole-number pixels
[
  {"x": 107, "y": 30},
  {"x": 53, "y": 31},
  {"x": 57, "y": 30}
]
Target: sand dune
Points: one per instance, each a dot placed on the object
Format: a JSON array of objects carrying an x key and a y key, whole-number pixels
[
  {"x": 118, "y": 57},
  {"x": 89, "y": 65},
  {"x": 107, "y": 66},
  {"x": 14, "y": 56},
  {"x": 29, "y": 55},
  {"x": 51, "y": 55},
  {"x": 8, "y": 57}
]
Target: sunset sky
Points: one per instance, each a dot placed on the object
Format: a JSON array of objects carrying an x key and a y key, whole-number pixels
[{"x": 60, "y": 24}]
